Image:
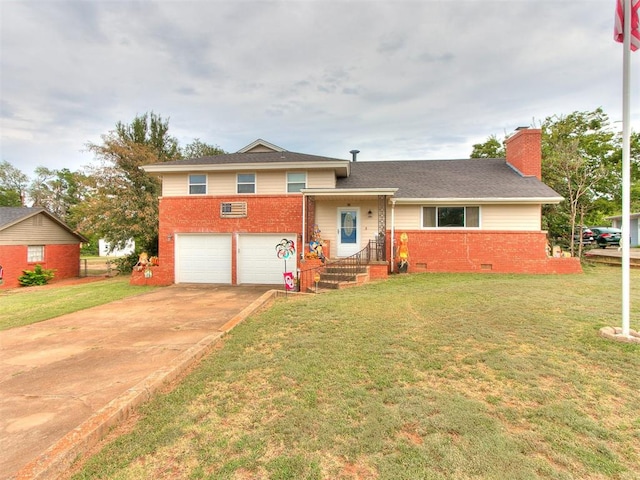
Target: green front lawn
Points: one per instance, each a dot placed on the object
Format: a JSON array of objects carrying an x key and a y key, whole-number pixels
[
  {"x": 430, "y": 376},
  {"x": 26, "y": 305}
]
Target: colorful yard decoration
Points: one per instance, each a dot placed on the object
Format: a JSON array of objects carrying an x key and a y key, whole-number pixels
[
  {"x": 285, "y": 250},
  {"x": 403, "y": 254}
]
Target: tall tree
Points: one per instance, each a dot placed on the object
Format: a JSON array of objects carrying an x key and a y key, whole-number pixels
[
  {"x": 13, "y": 185},
  {"x": 198, "y": 149},
  {"x": 151, "y": 130},
  {"x": 579, "y": 162},
  {"x": 124, "y": 203},
  {"x": 58, "y": 191},
  {"x": 581, "y": 159},
  {"x": 492, "y": 148}
]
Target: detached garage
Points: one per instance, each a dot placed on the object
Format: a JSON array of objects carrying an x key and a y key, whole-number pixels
[
  {"x": 258, "y": 262},
  {"x": 203, "y": 258}
]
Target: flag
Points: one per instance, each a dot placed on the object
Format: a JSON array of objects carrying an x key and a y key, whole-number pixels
[
  {"x": 618, "y": 31},
  {"x": 289, "y": 283}
]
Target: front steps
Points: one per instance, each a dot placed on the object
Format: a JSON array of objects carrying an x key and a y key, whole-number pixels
[{"x": 337, "y": 276}]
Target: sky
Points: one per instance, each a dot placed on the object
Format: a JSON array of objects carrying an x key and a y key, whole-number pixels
[{"x": 395, "y": 79}]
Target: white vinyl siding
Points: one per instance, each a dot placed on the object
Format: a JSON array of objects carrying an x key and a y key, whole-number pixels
[
  {"x": 222, "y": 183},
  {"x": 225, "y": 183},
  {"x": 271, "y": 182},
  {"x": 321, "y": 179},
  {"x": 37, "y": 230},
  {"x": 511, "y": 217},
  {"x": 493, "y": 217},
  {"x": 407, "y": 217}
]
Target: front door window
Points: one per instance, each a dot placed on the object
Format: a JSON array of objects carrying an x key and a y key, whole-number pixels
[{"x": 348, "y": 234}]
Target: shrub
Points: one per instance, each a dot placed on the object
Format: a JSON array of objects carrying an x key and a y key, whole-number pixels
[
  {"x": 37, "y": 276},
  {"x": 125, "y": 264}
]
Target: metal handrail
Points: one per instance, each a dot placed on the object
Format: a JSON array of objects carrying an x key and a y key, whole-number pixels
[{"x": 347, "y": 267}]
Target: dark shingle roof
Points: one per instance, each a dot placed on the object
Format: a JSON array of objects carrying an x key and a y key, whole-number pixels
[
  {"x": 11, "y": 215},
  {"x": 473, "y": 178},
  {"x": 255, "y": 157}
]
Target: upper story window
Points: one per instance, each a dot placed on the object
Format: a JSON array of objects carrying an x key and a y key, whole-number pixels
[
  {"x": 450, "y": 217},
  {"x": 296, "y": 182},
  {"x": 35, "y": 253},
  {"x": 197, "y": 184},
  {"x": 246, "y": 183}
]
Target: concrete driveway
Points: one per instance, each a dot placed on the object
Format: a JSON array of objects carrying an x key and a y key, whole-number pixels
[{"x": 64, "y": 382}]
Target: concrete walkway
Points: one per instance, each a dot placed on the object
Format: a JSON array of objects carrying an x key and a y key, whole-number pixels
[{"x": 65, "y": 382}]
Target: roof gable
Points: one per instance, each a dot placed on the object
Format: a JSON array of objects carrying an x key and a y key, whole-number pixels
[
  {"x": 261, "y": 146},
  {"x": 10, "y": 216}
]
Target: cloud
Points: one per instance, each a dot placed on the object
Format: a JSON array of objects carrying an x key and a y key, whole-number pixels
[{"x": 395, "y": 79}]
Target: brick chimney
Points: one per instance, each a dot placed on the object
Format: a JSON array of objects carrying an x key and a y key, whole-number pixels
[{"x": 524, "y": 151}]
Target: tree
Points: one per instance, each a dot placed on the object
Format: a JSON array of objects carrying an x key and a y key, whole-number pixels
[
  {"x": 581, "y": 159},
  {"x": 13, "y": 185},
  {"x": 124, "y": 199},
  {"x": 579, "y": 162},
  {"x": 492, "y": 148},
  {"x": 151, "y": 130},
  {"x": 58, "y": 191},
  {"x": 198, "y": 149}
]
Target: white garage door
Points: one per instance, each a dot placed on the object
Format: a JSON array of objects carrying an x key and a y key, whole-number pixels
[
  {"x": 258, "y": 262},
  {"x": 203, "y": 258}
]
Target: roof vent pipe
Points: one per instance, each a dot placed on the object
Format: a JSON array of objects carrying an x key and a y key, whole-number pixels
[{"x": 354, "y": 154}]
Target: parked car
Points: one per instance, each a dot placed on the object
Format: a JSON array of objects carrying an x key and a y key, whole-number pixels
[
  {"x": 586, "y": 238},
  {"x": 605, "y": 236}
]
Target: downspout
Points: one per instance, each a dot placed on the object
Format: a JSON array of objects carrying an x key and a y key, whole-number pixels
[
  {"x": 304, "y": 213},
  {"x": 393, "y": 230}
]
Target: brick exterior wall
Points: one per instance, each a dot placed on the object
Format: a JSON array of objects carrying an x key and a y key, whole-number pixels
[
  {"x": 64, "y": 259},
  {"x": 265, "y": 214},
  {"x": 524, "y": 152},
  {"x": 482, "y": 251}
]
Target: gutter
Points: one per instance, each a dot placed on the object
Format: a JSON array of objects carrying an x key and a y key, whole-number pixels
[{"x": 393, "y": 230}]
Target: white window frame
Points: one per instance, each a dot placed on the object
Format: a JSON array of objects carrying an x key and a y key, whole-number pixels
[
  {"x": 437, "y": 217},
  {"x": 239, "y": 183},
  {"x": 291, "y": 183},
  {"x": 193, "y": 184},
  {"x": 35, "y": 253}
]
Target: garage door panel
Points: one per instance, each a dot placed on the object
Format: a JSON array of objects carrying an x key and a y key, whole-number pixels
[
  {"x": 258, "y": 262},
  {"x": 203, "y": 258}
]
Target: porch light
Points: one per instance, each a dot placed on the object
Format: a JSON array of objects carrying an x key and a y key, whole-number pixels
[
  {"x": 169, "y": 237},
  {"x": 369, "y": 214}
]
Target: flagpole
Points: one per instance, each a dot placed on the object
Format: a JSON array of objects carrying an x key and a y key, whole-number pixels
[{"x": 626, "y": 170}]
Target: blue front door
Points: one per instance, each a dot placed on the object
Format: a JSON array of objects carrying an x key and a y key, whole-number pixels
[{"x": 348, "y": 234}]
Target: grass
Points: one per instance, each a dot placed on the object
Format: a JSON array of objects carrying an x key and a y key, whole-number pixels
[
  {"x": 23, "y": 306},
  {"x": 431, "y": 376}
]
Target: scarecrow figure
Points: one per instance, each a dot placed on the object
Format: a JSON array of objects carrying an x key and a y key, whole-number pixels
[
  {"x": 403, "y": 254},
  {"x": 315, "y": 245}
]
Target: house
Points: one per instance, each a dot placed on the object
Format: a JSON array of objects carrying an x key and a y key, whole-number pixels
[
  {"x": 105, "y": 249},
  {"x": 33, "y": 236},
  {"x": 222, "y": 218},
  {"x": 634, "y": 227}
]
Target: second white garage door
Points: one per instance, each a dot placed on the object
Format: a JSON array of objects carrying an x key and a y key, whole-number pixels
[
  {"x": 203, "y": 258},
  {"x": 258, "y": 262}
]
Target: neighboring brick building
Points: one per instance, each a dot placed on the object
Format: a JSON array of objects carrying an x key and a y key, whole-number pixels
[
  {"x": 32, "y": 236},
  {"x": 222, "y": 217}
]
